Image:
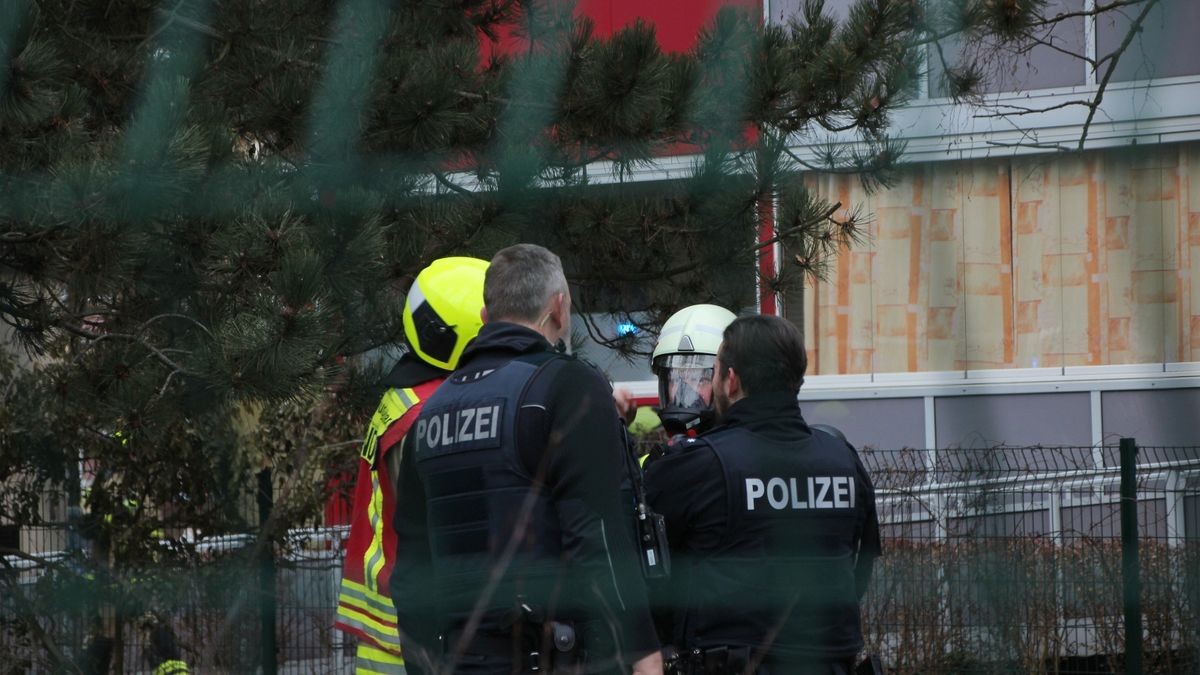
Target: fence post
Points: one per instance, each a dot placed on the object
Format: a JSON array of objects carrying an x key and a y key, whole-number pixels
[
  {"x": 266, "y": 574},
  {"x": 1131, "y": 576}
]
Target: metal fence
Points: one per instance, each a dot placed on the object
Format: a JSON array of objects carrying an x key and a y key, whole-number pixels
[
  {"x": 997, "y": 560},
  {"x": 1010, "y": 560},
  {"x": 233, "y": 602}
]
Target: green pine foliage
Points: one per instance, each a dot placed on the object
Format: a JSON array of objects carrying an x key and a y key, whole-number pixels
[{"x": 213, "y": 204}]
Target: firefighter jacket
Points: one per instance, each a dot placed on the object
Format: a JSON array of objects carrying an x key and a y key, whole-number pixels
[
  {"x": 364, "y": 606},
  {"x": 773, "y": 531}
]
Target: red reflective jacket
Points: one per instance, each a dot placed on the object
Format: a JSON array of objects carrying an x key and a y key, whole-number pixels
[{"x": 364, "y": 606}]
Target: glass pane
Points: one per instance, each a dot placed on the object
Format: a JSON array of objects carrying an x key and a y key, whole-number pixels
[
  {"x": 1165, "y": 47},
  {"x": 883, "y": 424},
  {"x": 1022, "y": 419},
  {"x": 1045, "y": 66}
]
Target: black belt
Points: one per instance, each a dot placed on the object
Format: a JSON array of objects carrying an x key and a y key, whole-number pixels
[
  {"x": 482, "y": 643},
  {"x": 563, "y": 650},
  {"x": 712, "y": 661}
]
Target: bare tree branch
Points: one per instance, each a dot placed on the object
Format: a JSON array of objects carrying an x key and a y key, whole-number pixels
[
  {"x": 1134, "y": 29},
  {"x": 1096, "y": 11},
  {"x": 1017, "y": 110}
]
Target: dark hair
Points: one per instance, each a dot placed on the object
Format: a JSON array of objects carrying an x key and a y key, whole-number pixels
[
  {"x": 767, "y": 352},
  {"x": 519, "y": 282}
]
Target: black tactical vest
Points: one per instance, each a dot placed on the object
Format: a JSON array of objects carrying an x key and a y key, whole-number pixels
[
  {"x": 484, "y": 508},
  {"x": 785, "y": 565}
]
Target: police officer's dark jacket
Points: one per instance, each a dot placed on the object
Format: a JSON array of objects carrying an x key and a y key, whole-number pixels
[
  {"x": 772, "y": 529},
  {"x": 514, "y": 465}
]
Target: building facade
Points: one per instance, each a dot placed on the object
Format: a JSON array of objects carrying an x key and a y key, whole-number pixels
[{"x": 1028, "y": 278}]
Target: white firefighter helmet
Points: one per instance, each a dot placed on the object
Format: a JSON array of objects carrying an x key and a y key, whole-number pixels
[{"x": 683, "y": 361}]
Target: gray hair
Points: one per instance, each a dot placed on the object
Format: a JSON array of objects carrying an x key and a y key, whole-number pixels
[{"x": 520, "y": 282}]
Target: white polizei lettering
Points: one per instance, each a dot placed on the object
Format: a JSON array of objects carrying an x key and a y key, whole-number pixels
[
  {"x": 464, "y": 424},
  {"x": 421, "y": 428},
  {"x": 824, "y": 492},
  {"x": 754, "y": 489},
  {"x": 483, "y": 423},
  {"x": 447, "y": 430},
  {"x": 840, "y": 492},
  {"x": 435, "y": 430},
  {"x": 823, "y": 496},
  {"x": 774, "y": 485},
  {"x": 797, "y": 503}
]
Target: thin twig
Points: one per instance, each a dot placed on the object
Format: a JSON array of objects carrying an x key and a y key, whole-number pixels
[
  {"x": 1017, "y": 110},
  {"x": 1096, "y": 11},
  {"x": 1134, "y": 29},
  {"x": 185, "y": 317},
  {"x": 151, "y": 348},
  {"x": 450, "y": 185}
]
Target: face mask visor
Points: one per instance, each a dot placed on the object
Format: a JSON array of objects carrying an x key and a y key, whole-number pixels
[{"x": 685, "y": 381}]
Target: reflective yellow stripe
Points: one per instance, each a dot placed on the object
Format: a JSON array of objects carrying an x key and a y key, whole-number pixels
[
  {"x": 371, "y": 607},
  {"x": 409, "y": 397},
  {"x": 379, "y": 601},
  {"x": 373, "y": 558},
  {"x": 378, "y": 632},
  {"x": 392, "y": 406},
  {"x": 371, "y": 659},
  {"x": 171, "y": 667},
  {"x": 353, "y": 607}
]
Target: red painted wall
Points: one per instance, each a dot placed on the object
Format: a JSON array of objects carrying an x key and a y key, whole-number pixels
[{"x": 676, "y": 21}]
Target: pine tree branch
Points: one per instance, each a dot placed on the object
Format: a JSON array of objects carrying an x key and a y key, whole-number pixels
[
  {"x": 696, "y": 264},
  {"x": 185, "y": 317},
  {"x": 452, "y": 186},
  {"x": 26, "y": 238},
  {"x": 798, "y": 228},
  {"x": 593, "y": 330},
  {"x": 506, "y": 101},
  {"x": 849, "y": 169},
  {"x": 166, "y": 360}
]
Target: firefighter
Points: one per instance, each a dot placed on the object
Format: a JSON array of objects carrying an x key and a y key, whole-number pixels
[
  {"x": 683, "y": 363},
  {"x": 442, "y": 314},
  {"x": 771, "y": 523}
]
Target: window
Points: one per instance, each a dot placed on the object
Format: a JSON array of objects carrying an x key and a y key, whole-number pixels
[{"x": 1165, "y": 47}]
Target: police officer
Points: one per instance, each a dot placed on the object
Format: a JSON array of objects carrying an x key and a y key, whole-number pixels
[
  {"x": 441, "y": 315},
  {"x": 512, "y": 533},
  {"x": 772, "y": 525}
]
